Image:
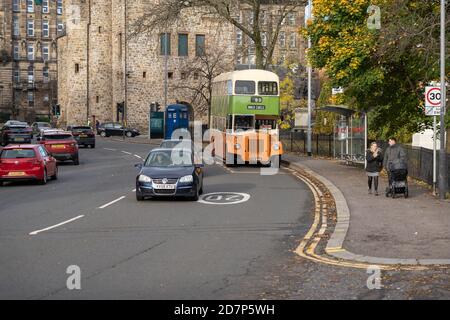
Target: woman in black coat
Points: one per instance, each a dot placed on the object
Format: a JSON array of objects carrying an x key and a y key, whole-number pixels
[{"x": 374, "y": 165}]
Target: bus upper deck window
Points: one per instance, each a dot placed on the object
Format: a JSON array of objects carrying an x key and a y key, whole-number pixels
[
  {"x": 266, "y": 88},
  {"x": 244, "y": 87}
]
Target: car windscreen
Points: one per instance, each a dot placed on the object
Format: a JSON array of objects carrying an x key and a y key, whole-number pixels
[
  {"x": 44, "y": 125},
  {"x": 169, "y": 158},
  {"x": 58, "y": 137},
  {"x": 17, "y": 154}
]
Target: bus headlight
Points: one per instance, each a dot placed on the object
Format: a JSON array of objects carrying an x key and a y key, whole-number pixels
[
  {"x": 276, "y": 147},
  {"x": 237, "y": 146}
]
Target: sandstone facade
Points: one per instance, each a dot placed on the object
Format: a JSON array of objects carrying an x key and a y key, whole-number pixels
[{"x": 100, "y": 64}]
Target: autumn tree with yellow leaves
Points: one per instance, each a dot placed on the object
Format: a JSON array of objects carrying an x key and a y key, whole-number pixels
[{"x": 383, "y": 71}]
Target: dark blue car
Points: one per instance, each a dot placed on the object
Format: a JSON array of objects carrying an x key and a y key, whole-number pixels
[{"x": 169, "y": 173}]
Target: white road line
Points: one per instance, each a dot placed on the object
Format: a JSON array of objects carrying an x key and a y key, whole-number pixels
[
  {"x": 110, "y": 149},
  {"x": 134, "y": 190},
  {"x": 55, "y": 226},
  {"x": 138, "y": 156},
  {"x": 112, "y": 202},
  {"x": 126, "y": 152}
]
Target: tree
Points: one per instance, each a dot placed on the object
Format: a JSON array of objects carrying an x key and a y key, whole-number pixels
[
  {"x": 198, "y": 75},
  {"x": 383, "y": 71},
  {"x": 166, "y": 12}
]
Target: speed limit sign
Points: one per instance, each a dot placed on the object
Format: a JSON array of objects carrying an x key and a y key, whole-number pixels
[{"x": 432, "y": 101}]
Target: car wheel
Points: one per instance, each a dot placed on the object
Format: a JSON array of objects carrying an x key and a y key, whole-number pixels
[
  {"x": 55, "y": 176},
  {"x": 93, "y": 146},
  {"x": 44, "y": 180},
  {"x": 129, "y": 134},
  {"x": 103, "y": 134},
  {"x": 76, "y": 161},
  {"x": 1, "y": 183},
  {"x": 197, "y": 195},
  {"x": 139, "y": 196}
]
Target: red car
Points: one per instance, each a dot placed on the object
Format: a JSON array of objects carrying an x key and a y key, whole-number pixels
[
  {"x": 61, "y": 144},
  {"x": 27, "y": 162}
]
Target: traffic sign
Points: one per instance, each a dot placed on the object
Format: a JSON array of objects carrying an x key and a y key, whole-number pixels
[{"x": 432, "y": 101}]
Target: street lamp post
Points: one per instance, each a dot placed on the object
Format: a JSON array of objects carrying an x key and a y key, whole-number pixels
[
  {"x": 309, "y": 132},
  {"x": 443, "y": 174}
]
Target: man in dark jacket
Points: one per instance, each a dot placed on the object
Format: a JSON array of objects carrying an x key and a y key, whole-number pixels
[{"x": 394, "y": 155}]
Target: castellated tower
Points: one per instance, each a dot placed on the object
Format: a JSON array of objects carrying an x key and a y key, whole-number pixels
[{"x": 84, "y": 65}]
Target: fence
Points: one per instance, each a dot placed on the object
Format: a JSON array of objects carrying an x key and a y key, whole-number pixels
[{"x": 420, "y": 160}]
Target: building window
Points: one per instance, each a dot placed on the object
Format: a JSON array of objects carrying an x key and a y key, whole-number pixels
[
  {"x": 77, "y": 67},
  {"x": 30, "y": 6},
  {"x": 30, "y": 75},
  {"x": 292, "y": 40},
  {"x": 263, "y": 17},
  {"x": 199, "y": 45},
  {"x": 239, "y": 37},
  {"x": 264, "y": 39},
  {"x": 291, "y": 19},
  {"x": 46, "y": 97},
  {"x": 45, "y": 75},
  {"x": 45, "y": 6},
  {"x": 60, "y": 27},
  {"x": 282, "y": 39},
  {"x": 30, "y": 97},
  {"x": 97, "y": 99},
  {"x": 30, "y": 28},
  {"x": 45, "y": 52},
  {"x": 45, "y": 29},
  {"x": 144, "y": 74},
  {"x": 16, "y": 5},
  {"x": 16, "y": 75},
  {"x": 30, "y": 52},
  {"x": 59, "y": 7},
  {"x": 16, "y": 26},
  {"x": 170, "y": 75},
  {"x": 183, "y": 45},
  {"x": 16, "y": 52},
  {"x": 165, "y": 43}
]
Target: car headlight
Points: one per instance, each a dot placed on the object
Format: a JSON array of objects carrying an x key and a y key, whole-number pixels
[
  {"x": 188, "y": 178},
  {"x": 145, "y": 179},
  {"x": 237, "y": 146},
  {"x": 276, "y": 147}
]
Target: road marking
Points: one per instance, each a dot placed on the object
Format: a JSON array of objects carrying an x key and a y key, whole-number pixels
[
  {"x": 110, "y": 149},
  {"x": 134, "y": 190},
  {"x": 224, "y": 198},
  {"x": 112, "y": 202},
  {"x": 55, "y": 226},
  {"x": 138, "y": 156},
  {"x": 126, "y": 152}
]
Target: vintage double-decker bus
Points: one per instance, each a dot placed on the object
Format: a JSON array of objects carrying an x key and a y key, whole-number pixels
[{"x": 245, "y": 108}]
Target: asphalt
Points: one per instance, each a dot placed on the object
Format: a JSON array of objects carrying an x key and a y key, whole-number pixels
[{"x": 157, "y": 249}]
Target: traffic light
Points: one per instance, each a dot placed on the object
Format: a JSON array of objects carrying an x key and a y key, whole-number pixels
[{"x": 56, "y": 110}]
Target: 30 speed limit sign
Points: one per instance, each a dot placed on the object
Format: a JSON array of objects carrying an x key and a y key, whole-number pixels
[{"x": 432, "y": 101}]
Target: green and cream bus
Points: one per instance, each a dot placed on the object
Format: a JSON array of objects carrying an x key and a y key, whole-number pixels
[{"x": 245, "y": 108}]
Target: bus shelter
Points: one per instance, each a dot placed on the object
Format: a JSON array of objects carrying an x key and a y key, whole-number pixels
[{"x": 349, "y": 134}]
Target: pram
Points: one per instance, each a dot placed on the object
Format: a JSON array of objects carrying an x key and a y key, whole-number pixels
[{"x": 398, "y": 181}]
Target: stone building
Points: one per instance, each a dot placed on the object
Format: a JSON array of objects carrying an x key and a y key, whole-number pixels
[
  {"x": 28, "y": 70},
  {"x": 97, "y": 71}
]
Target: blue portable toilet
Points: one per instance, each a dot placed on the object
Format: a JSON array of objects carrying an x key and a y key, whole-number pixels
[{"x": 177, "y": 117}]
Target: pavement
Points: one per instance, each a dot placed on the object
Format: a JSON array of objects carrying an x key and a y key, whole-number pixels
[{"x": 382, "y": 230}]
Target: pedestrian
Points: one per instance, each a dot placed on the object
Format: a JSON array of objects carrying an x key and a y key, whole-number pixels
[
  {"x": 374, "y": 165},
  {"x": 394, "y": 158},
  {"x": 97, "y": 125}
]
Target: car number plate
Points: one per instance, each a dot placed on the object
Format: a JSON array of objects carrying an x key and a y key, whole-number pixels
[
  {"x": 83, "y": 136},
  {"x": 19, "y": 139},
  {"x": 58, "y": 146},
  {"x": 164, "y": 186},
  {"x": 16, "y": 174}
]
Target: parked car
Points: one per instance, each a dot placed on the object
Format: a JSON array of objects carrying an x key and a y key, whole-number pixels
[
  {"x": 61, "y": 144},
  {"x": 40, "y": 126},
  {"x": 16, "y": 132},
  {"x": 116, "y": 129},
  {"x": 84, "y": 135},
  {"x": 27, "y": 162},
  {"x": 169, "y": 172}
]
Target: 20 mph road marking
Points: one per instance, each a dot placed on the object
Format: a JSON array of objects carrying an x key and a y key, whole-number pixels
[
  {"x": 55, "y": 226},
  {"x": 112, "y": 202}
]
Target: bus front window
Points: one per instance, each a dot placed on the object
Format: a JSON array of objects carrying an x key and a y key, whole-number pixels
[{"x": 244, "y": 123}]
